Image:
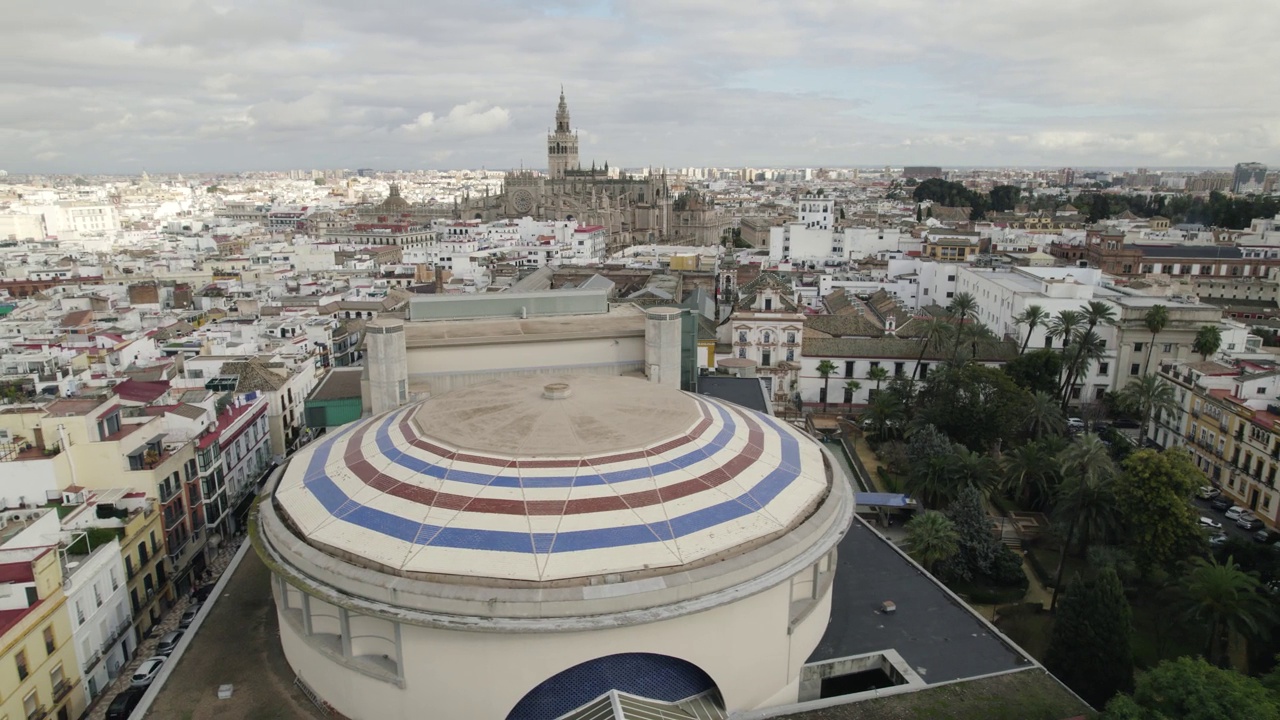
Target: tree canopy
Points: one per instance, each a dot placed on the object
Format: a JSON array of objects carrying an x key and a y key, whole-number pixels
[
  {"x": 1154, "y": 492},
  {"x": 1192, "y": 689},
  {"x": 973, "y": 404},
  {"x": 1090, "y": 649},
  {"x": 1036, "y": 371},
  {"x": 1218, "y": 210}
]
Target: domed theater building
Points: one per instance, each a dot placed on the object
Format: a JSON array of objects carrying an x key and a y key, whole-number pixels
[{"x": 534, "y": 547}]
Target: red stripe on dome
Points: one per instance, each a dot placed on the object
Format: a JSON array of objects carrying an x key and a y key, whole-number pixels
[{"x": 370, "y": 476}]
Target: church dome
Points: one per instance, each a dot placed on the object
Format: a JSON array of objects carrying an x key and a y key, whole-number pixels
[
  {"x": 553, "y": 480},
  {"x": 394, "y": 202}
]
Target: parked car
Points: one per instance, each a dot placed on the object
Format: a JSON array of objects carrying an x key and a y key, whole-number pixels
[
  {"x": 123, "y": 703},
  {"x": 1218, "y": 538},
  {"x": 1248, "y": 522},
  {"x": 1208, "y": 492},
  {"x": 1234, "y": 512},
  {"x": 189, "y": 616},
  {"x": 1263, "y": 536},
  {"x": 167, "y": 643},
  {"x": 147, "y": 671},
  {"x": 1075, "y": 424},
  {"x": 202, "y": 593},
  {"x": 1220, "y": 503},
  {"x": 1208, "y": 522}
]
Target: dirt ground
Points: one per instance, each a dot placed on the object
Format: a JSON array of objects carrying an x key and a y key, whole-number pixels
[{"x": 238, "y": 643}]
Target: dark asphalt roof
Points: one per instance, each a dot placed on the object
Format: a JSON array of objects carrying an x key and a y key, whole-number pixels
[
  {"x": 1191, "y": 251},
  {"x": 340, "y": 384},
  {"x": 938, "y": 636},
  {"x": 746, "y": 392}
]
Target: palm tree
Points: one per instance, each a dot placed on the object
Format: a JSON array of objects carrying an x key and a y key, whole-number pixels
[
  {"x": 879, "y": 374},
  {"x": 1044, "y": 417},
  {"x": 976, "y": 470},
  {"x": 1064, "y": 326},
  {"x": 974, "y": 333},
  {"x": 1094, "y": 312},
  {"x": 933, "y": 335},
  {"x": 1089, "y": 349},
  {"x": 1148, "y": 396},
  {"x": 851, "y": 389},
  {"x": 1032, "y": 316},
  {"x": 885, "y": 413},
  {"x": 1085, "y": 503},
  {"x": 930, "y": 481},
  {"x": 1032, "y": 472},
  {"x": 1226, "y": 598},
  {"x": 1156, "y": 320},
  {"x": 963, "y": 309},
  {"x": 825, "y": 368},
  {"x": 932, "y": 538},
  {"x": 1208, "y": 340}
]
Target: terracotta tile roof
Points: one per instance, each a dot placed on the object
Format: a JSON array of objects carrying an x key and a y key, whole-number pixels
[{"x": 140, "y": 391}]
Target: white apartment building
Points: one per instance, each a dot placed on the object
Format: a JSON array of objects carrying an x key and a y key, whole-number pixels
[
  {"x": 98, "y": 602},
  {"x": 589, "y": 243},
  {"x": 1003, "y": 293}
]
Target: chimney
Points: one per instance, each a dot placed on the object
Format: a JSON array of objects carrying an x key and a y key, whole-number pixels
[
  {"x": 387, "y": 362},
  {"x": 662, "y": 346}
]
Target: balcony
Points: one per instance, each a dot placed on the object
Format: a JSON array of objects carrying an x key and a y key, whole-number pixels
[
  {"x": 39, "y": 713},
  {"x": 61, "y": 690}
]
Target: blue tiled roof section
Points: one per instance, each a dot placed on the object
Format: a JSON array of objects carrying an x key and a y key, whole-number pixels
[
  {"x": 657, "y": 677},
  {"x": 387, "y": 446},
  {"x": 342, "y": 507}
]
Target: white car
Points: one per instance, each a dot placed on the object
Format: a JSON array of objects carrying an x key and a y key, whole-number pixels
[
  {"x": 1208, "y": 492},
  {"x": 1208, "y": 522},
  {"x": 1234, "y": 512},
  {"x": 1075, "y": 424},
  {"x": 147, "y": 671}
]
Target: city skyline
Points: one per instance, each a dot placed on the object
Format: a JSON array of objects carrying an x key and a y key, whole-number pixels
[{"x": 281, "y": 84}]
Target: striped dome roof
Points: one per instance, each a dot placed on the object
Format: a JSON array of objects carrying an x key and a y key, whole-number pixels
[{"x": 521, "y": 480}]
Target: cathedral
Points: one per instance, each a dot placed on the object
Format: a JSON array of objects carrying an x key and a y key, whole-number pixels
[{"x": 632, "y": 209}]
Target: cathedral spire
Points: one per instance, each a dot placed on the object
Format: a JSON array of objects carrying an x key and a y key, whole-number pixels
[{"x": 562, "y": 114}]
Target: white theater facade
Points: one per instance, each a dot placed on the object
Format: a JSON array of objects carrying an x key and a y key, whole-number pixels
[{"x": 521, "y": 548}]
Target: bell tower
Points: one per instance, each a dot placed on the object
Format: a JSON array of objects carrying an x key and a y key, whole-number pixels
[{"x": 562, "y": 145}]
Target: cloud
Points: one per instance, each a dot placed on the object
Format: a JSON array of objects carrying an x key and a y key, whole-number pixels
[
  {"x": 470, "y": 119},
  {"x": 259, "y": 84}
]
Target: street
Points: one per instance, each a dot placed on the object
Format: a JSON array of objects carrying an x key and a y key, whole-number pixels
[{"x": 1228, "y": 526}]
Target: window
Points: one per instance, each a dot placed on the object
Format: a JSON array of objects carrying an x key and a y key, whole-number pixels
[
  {"x": 1135, "y": 369},
  {"x": 1168, "y": 347},
  {"x": 21, "y": 660},
  {"x": 950, "y": 294},
  {"x": 768, "y": 337},
  {"x": 791, "y": 355},
  {"x": 742, "y": 336},
  {"x": 768, "y": 303},
  {"x": 848, "y": 368},
  {"x": 899, "y": 369},
  {"x": 49, "y": 644},
  {"x": 1137, "y": 347},
  {"x": 742, "y": 352},
  {"x": 924, "y": 370},
  {"x": 791, "y": 337},
  {"x": 1103, "y": 368}
]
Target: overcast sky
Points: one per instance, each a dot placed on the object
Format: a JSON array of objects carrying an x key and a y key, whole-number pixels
[{"x": 171, "y": 85}]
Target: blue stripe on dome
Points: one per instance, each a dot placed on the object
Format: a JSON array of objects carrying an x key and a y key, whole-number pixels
[
  {"x": 323, "y": 488},
  {"x": 387, "y": 446}
]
